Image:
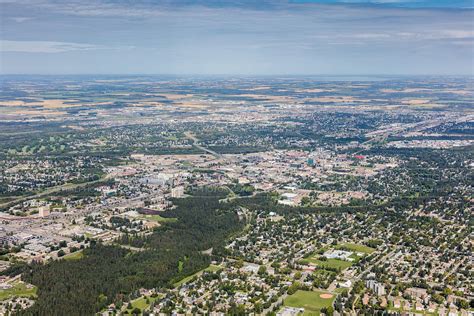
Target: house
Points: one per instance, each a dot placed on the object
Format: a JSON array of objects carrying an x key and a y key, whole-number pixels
[
  {"x": 290, "y": 311},
  {"x": 419, "y": 306},
  {"x": 416, "y": 292},
  {"x": 396, "y": 303}
]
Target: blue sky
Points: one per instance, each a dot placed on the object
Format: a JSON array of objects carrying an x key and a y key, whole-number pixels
[
  {"x": 457, "y": 4},
  {"x": 237, "y": 37}
]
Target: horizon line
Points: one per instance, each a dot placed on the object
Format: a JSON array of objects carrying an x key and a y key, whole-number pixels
[{"x": 240, "y": 74}]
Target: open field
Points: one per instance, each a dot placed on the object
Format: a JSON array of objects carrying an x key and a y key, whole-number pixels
[
  {"x": 74, "y": 256},
  {"x": 19, "y": 289},
  {"x": 159, "y": 219},
  {"x": 356, "y": 248},
  {"x": 140, "y": 303},
  {"x": 311, "y": 301},
  {"x": 329, "y": 263}
]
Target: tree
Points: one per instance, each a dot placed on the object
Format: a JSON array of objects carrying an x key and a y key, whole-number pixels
[
  {"x": 328, "y": 310},
  {"x": 293, "y": 288},
  {"x": 305, "y": 201}
]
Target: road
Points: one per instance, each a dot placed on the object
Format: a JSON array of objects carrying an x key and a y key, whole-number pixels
[
  {"x": 282, "y": 298},
  {"x": 195, "y": 141},
  {"x": 66, "y": 186},
  {"x": 298, "y": 256},
  {"x": 359, "y": 276}
]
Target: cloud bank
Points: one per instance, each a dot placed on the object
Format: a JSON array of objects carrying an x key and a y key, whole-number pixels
[{"x": 248, "y": 37}]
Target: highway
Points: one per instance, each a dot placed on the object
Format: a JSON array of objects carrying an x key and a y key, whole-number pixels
[{"x": 195, "y": 141}]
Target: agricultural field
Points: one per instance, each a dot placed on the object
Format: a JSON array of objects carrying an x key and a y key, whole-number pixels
[{"x": 311, "y": 301}]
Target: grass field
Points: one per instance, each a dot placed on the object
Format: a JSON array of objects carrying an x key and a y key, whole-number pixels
[
  {"x": 159, "y": 219},
  {"x": 141, "y": 303},
  {"x": 356, "y": 248},
  {"x": 339, "y": 290},
  {"x": 211, "y": 268},
  {"x": 309, "y": 300},
  {"x": 18, "y": 290},
  {"x": 323, "y": 272},
  {"x": 330, "y": 263},
  {"x": 74, "y": 256}
]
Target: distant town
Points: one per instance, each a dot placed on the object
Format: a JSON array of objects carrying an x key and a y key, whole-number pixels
[{"x": 148, "y": 195}]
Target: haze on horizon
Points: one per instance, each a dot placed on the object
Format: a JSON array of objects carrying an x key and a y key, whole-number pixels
[{"x": 237, "y": 37}]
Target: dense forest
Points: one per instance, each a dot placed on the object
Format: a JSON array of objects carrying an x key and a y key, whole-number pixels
[{"x": 110, "y": 273}]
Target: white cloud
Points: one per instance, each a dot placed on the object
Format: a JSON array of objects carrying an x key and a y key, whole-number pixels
[
  {"x": 458, "y": 34},
  {"x": 371, "y": 35},
  {"x": 45, "y": 46},
  {"x": 20, "y": 19}
]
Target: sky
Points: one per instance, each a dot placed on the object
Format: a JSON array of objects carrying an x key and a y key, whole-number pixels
[{"x": 246, "y": 37}]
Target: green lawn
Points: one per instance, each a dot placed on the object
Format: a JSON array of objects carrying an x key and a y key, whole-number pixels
[
  {"x": 330, "y": 263},
  {"x": 339, "y": 290},
  {"x": 141, "y": 303},
  {"x": 211, "y": 268},
  {"x": 74, "y": 256},
  {"x": 356, "y": 248},
  {"x": 159, "y": 219},
  {"x": 309, "y": 300},
  {"x": 18, "y": 290}
]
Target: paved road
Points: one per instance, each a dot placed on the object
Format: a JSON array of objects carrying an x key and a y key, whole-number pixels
[
  {"x": 283, "y": 297},
  {"x": 195, "y": 141},
  {"x": 66, "y": 186}
]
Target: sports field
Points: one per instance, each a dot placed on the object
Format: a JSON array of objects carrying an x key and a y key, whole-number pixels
[
  {"x": 331, "y": 263},
  {"x": 311, "y": 301},
  {"x": 356, "y": 248}
]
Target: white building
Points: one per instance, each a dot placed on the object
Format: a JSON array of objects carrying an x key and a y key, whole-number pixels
[
  {"x": 375, "y": 286},
  {"x": 177, "y": 192}
]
